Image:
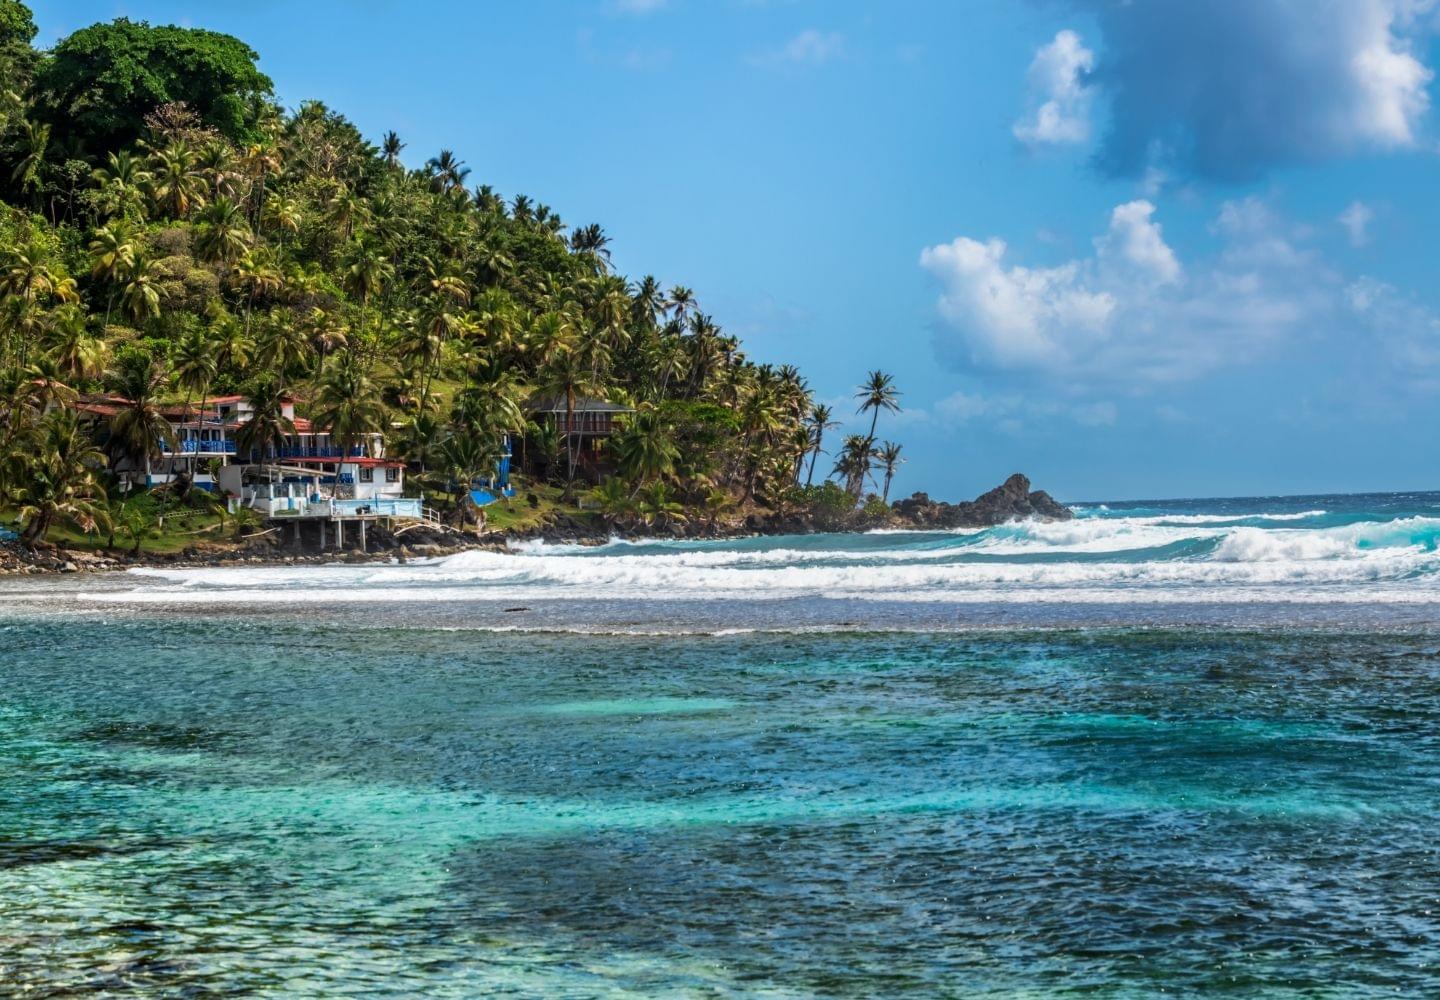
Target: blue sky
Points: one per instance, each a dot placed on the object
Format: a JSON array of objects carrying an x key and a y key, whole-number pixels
[{"x": 1133, "y": 249}]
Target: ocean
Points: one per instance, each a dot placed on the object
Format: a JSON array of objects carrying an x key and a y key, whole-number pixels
[{"x": 1166, "y": 748}]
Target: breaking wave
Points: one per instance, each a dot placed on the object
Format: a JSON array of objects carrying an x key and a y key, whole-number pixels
[{"x": 1105, "y": 555}]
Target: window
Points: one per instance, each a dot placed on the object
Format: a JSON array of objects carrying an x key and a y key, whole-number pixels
[
  {"x": 367, "y": 474},
  {"x": 392, "y": 475}
]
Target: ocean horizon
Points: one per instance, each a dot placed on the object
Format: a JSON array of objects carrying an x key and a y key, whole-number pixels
[{"x": 1180, "y": 746}]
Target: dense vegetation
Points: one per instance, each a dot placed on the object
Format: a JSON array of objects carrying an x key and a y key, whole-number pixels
[{"x": 168, "y": 234}]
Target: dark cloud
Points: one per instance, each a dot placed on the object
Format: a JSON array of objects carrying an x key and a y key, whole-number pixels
[{"x": 1223, "y": 89}]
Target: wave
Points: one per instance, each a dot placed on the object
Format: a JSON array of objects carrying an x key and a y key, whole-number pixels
[{"x": 1208, "y": 557}]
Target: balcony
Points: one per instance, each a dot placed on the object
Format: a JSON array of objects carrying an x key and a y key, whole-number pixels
[
  {"x": 190, "y": 446},
  {"x": 320, "y": 451}
]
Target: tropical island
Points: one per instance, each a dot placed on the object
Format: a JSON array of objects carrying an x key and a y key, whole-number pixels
[{"x": 222, "y": 322}]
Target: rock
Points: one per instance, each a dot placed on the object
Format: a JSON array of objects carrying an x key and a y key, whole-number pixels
[
  {"x": 69, "y": 567},
  {"x": 1011, "y": 500}
]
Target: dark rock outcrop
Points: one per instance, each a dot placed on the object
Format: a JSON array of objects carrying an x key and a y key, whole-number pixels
[{"x": 1011, "y": 500}]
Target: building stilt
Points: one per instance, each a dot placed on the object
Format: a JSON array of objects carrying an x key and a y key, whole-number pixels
[
  {"x": 339, "y": 535},
  {"x": 362, "y": 536},
  {"x": 322, "y": 535}
]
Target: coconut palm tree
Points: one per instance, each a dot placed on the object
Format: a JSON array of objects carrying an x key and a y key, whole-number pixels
[
  {"x": 390, "y": 147},
  {"x": 176, "y": 187},
  {"x": 223, "y": 234},
  {"x": 140, "y": 289},
  {"x": 195, "y": 369},
  {"x": 819, "y": 421},
  {"x": 568, "y": 377},
  {"x": 138, "y": 432},
  {"x": 853, "y": 464},
  {"x": 61, "y": 480},
  {"x": 267, "y": 427},
  {"x": 645, "y": 449},
  {"x": 80, "y": 354},
  {"x": 889, "y": 458},
  {"x": 614, "y": 500},
  {"x": 876, "y": 394},
  {"x": 658, "y": 507},
  {"x": 348, "y": 403}
]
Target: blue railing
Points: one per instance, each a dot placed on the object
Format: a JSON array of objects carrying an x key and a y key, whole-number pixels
[
  {"x": 402, "y": 507},
  {"x": 320, "y": 451},
  {"x": 190, "y": 446}
]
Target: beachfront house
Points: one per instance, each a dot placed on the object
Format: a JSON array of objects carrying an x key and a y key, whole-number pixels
[
  {"x": 309, "y": 462},
  {"x": 589, "y": 424}
]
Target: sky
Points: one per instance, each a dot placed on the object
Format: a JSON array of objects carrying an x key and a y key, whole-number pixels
[{"x": 1132, "y": 248}]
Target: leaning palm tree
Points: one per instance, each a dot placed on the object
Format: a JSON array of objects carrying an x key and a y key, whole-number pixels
[
  {"x": 878, "y": 393},
  {"x": 889, "y": 457}
]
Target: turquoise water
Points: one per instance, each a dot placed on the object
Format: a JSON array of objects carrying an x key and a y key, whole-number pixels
[{"x": 387, "y": 781}]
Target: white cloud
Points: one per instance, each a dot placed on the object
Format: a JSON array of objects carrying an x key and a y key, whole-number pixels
[
  {"x": 810, "y": 47},
  {"x": 1017, "y": 311},
  {"x": 1135, "y": 241},
  {"x": 1130, "y": 313},
  {"x": 638, "y": 6},
  {"x": 1059, "y": 93},
  {"x": 1356, "y": 221}
]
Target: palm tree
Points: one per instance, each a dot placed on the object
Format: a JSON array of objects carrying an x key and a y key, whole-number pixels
[
  {"x": 138, "y": 432},
  {"x": 140, "y": 290},
  {"x": 819, "y": 421},
  {"x": 267, "y": 426},
  {"x": 854, "y": 464},
  {"x": 447, "y": 172},
  {"x": 348, "y": 403},
  {"x": 282, "y": 346},
  {"x": 195, "y": 369},
  {"x": 175, "y": 186},
  {"x": 112, "y": 255},
  {"x": 658, "y": 507},
  {"x": 889, "y": 457},
  {"x": 876, "y": 394},
  {"x": 646, "y": 449},
  {"x": 223, "y": 234},
  {"x": 567, "y": 376},
  {"x": 390, "y": 148},
  {"x": 30, "y": 163},
  {"x": 61, "y": 481},
  {"x": 78, "y": 352},
  {"x": 465, "y": 458},
  {"x": 614, "y": 500}
]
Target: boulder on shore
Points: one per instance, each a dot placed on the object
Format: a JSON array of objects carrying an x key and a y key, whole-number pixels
[{"x": 1011, "y": 500}]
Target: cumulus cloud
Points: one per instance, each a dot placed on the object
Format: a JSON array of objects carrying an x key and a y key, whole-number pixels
[
  {"x": 1060, "y": 98},
  {"x": 1227, "y": 88},
  {"x": 1356, "y": 221},
  {"x": 1135, "y": 243},
  {"x": 1130, "y": 312}
]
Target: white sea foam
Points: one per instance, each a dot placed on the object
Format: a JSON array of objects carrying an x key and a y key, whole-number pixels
[{"x": 1099, "y": 560}]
